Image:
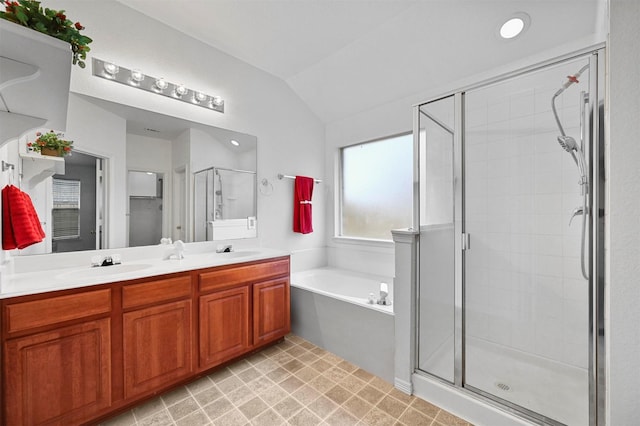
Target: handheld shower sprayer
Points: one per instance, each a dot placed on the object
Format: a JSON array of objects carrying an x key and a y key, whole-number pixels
[{"x": 570, "y": 145}]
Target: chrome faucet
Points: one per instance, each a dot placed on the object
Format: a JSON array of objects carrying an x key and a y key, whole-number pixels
[
  {"x": 176, "y": 251},
  {"x": 227, "y": 248}
]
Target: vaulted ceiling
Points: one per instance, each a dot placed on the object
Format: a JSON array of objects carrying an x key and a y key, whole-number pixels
[{"x": 346, "y": 56}]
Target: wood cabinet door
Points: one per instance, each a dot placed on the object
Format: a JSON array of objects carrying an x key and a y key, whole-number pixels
[
  {"x": 59, "y": 377},
  {"x": 157, "y": 346},
  {"x": 224, "y": 325},
  {"x": 271, "y": 313}
]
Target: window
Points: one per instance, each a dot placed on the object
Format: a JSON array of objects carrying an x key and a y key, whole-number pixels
[
  {"x": 377, "y": 187},
  {"x": 66, "y": 209}
]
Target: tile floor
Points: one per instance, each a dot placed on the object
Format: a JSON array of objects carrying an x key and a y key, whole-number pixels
[{"x": 292, "y": 383}]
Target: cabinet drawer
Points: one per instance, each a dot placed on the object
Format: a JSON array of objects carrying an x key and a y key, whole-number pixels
[
  {"x": 156, "y": 291},
  {"x": 53, "y": 310},
  {"x": 234, "y": 275}
]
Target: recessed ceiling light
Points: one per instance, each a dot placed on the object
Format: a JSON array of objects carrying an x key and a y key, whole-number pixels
[
  {"x": 235, "y": 142},
  {"x": 514, "y": 26}
]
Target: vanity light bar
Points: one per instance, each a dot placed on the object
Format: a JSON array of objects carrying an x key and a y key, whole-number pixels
[{"x": 139, "y": 80}]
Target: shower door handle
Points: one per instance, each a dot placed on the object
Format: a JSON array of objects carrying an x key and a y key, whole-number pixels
[{"x": 466, "y": 241}]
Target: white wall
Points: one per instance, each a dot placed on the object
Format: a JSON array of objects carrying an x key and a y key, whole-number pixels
[
  {"x": 149, "y": 154},
  {"x": 393, "y": 118},
  {"x": 623, "y": 258},
  {"x": 290, "y": 137},
  {"x": 103, "y": 134}
]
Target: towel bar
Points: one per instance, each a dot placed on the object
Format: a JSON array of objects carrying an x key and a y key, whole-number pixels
[{"x": 281, "y": 176}]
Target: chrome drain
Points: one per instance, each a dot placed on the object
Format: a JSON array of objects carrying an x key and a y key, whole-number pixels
[{"x": 503, "y": 386}]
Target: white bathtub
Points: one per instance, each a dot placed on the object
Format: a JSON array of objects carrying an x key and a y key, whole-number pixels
[
  {"x": 352, "y": 287},
  {"x": 329, "y": 307}
]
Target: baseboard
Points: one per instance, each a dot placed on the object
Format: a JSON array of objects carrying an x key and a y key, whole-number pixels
[{"x": 403, "y": 385}]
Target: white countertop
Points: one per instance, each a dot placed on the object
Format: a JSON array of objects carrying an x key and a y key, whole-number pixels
[{"x": 25, "y": 283}]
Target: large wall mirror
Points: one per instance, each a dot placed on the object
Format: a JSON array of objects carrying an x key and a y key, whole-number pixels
[{"x": 138, "y": 177}]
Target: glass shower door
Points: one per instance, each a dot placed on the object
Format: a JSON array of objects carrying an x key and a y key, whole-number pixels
[
  {"x": 436, "y": 290},
  {"x": 526, "y": 300}
]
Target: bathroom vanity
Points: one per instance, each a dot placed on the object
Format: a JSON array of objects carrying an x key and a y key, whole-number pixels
[{"x": 77, "y": 355}]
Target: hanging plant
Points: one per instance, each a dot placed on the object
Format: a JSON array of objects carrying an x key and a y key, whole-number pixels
[{"x": 30, "y": 14}]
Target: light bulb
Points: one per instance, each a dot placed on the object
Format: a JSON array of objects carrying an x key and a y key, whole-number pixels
[
  {"x": 180, "y": 91},
  {"x": 199, "y": 97},
  {"x": 136, "y": 76},
  {"x": 235, "y": 142},
  {"x": 111, "y": 69},
  {"x": 161, "y": 84},
  {"x": 216, "y": 101}
]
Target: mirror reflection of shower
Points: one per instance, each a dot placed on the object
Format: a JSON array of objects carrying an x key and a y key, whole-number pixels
[
  {"x": 576, "y": 151},
  {"x": 219, "y": 198},
  {"x": 224, "y": 199}
]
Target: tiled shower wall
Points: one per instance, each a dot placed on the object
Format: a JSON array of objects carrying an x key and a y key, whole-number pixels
[{"x": 523, "y": 286}]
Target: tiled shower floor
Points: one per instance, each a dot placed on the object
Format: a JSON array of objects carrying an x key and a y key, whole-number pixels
[{"x": 292, "y": 383}]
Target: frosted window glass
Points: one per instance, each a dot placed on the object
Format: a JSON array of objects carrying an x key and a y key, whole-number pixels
[{"x": 377, "y": 180}]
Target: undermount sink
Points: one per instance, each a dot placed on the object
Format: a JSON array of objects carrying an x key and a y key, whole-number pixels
[
  {"x": 103, "y": 271},
  {"x": 234, "y": 254}
]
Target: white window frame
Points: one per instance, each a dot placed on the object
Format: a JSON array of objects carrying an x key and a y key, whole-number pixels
[{"x": 338, "y": 178}]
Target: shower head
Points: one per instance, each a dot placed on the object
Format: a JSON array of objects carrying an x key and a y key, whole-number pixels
[{"x": 568, "y": 143}]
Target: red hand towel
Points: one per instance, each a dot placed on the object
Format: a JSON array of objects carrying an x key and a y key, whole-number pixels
[
  {"x": 302, "y": 193},
  {"x": 20, "y": 220},
  {"x": 8, "y": 239}
]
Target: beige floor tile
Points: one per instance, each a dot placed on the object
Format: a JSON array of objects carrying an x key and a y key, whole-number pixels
[
  {"x": 352, "y": 383},
  {"x": 397, "y": 394},
  {"x": 305, "y": 418},
  {"x": 341, "y": 417},
  {"x": 220, "y": 375},
  {"x": 306, "y": 374},
  {"x": 449, "y": 419},
  {"x": 268, "y": 418},
  {"x": 218, "y": 408},
  {"x": 322, "y": 406},
  {"x": 207, "y": 396},
  {"x": 249, "y": 374},
  {"x": 183, "y": 408},
  {"x": 232, "y": 418},
  {"x": 273, "y": 395},
  {"x": 370, "y": 394},
  {"x": 308, "y": 357},
  {"x": 176, "y": 395},
  {"x": 240, "y": 395},
  {"x": 239, "y": 366},
  {"x": 377, "y": 417},
  {"x": 357, "y": 406},
  {"x": 160, "y": 418},
  {"x": 291, "y": 383},
  {"x": 321, "y": 365},
  {"x": 287, "y": 407},
  {"x": 253, "y": 407},
  {"x": 306, "y": 394},
  {"x": 196, "y": 418},
  {"x": 392, "y": 406},
  {"x": 338, "y": 394},
  {"x": 425, "y": 407},
  {"x": 413, "y": 417},
  {"x": 363, "y": 375}
]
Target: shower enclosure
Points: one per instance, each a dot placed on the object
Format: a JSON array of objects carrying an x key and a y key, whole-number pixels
[
  {"x": 510, "y": 207},
  {"x": 222, "y": 195}
]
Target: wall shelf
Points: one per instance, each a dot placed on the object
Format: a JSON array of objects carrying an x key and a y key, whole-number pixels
[
  {"x": 35, "y": 74},
  {"x": 36, "y": 168}
]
